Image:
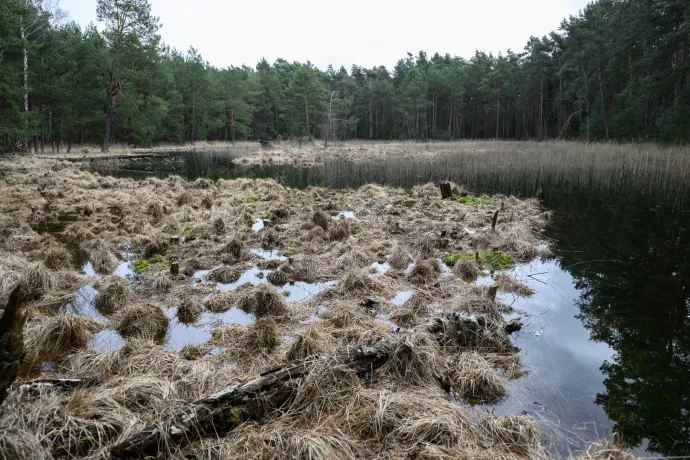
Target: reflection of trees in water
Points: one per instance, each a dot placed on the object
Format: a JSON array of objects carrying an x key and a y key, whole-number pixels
[
  {"x": 636, "y": 301},
  {"x": 640, "y": 307}
]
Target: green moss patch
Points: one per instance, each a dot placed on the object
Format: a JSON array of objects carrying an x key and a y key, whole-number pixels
[
  {"x": 497, "y": 260},
  {"x": 473, "y": 201},
  {"x": 492, "y": 260},
  {"x": 155, "y": 263},
  {"x": 246, "y": 199},
  {"x": 455, "y": 258}
]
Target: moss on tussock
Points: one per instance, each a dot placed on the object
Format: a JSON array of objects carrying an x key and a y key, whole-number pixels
[
  {"x": 247, "y": 199},
  {"x": 493, "y": 260},
  {"x": 155, "y": 263},
  {"x": 473, "y": 201}
]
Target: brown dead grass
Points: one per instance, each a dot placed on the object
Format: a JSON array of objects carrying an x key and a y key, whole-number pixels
[
  {"x": 145, "y": 321},
  {"x": 113, "y": 294},
  {"x": 55, "y": 335}
]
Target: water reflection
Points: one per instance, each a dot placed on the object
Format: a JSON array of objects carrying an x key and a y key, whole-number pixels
[
  {"x": 609, "y": 342},
  {"x": 631, "y": 268}
]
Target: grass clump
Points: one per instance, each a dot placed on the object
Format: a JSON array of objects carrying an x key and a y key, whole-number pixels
[
  {"x": 516, "y": 434},
  {"x": 224, "y": 275},
  {"x": 359, "y": 283},
  {"x": 414, "y": 360},
  {"x": 278, "y": 278},
  {"x": 475, "y": 379},
  {"x": 320, "y": 219},
  {"x": 155, "y": 210},
  {"x": 59, "y": 334},
  {"x": 142, "y": 321},
  {"x": 57, "y": 257},
  {"x": 262, "y": 335},
  {"x": 264, "y": 301},
  {"x": 466, "y": 269},
  {"x": 405, "y": 317},
  {"x": 113, "y": 294},
  {"x": 234, "y": 247},
  {"x": 425, "y": 271},
  {"x": 21, "y": 444},
  {"x": 188, "y": 309},
  {"x": 507, "y": 283},
  {"x": 36, "y": 281},
  {"x": 339, "y": 231},
  {"x": 305, "y": 345},
  {"x": 221, "y": 301}
]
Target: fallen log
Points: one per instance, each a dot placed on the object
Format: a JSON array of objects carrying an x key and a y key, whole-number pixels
[
  {"x": 219, "y": 413},
  {"x": 11, "y": 342}
]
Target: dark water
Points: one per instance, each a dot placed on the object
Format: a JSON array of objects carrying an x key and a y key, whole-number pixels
[{"x": 608, "y": 345}]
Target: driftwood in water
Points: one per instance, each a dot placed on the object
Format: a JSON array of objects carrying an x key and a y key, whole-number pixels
[
  {"x": 11, "y": 342},
  {"x": 221, "y": 412},
  {"x": 446, "y": 191}
]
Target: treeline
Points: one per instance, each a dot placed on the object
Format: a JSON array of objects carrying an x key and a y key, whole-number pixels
[{"x": 619, "y": 70}]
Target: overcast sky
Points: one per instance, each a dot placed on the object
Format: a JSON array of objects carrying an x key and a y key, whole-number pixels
[{"x": 363, "y": 32}]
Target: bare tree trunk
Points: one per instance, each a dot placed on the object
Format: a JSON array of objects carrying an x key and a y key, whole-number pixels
[
  {"x": 330, "y": 115},
  {"x": 498, "y": 110},
  {"x": 108, "y": 120},
  {"x": 233, "y": 125},
  {"x": 306, "y": 113},
  {"x": 603, "y": 100}
]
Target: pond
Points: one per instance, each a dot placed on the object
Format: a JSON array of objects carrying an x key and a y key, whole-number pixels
[{"x": 607, "y": 346}]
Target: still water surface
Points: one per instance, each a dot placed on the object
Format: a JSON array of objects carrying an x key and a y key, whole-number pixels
[{"x": 608, "y": 340}]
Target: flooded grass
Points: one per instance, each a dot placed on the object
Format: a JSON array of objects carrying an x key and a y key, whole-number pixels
[{"x": 354, "y": 281}]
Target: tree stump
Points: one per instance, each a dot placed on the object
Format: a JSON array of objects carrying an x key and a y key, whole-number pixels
[
  {"x": 446, "y": 191},
  {"x": 175, "y": 268}
]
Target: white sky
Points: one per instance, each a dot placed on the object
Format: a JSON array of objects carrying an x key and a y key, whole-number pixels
[{"x": 363, "y": 32}]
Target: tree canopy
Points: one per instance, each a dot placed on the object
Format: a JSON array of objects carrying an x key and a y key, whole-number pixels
[{"x": 618, "y": 70}]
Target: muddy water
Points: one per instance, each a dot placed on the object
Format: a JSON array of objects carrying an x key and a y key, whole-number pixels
[{"x": 608, "y": 340}]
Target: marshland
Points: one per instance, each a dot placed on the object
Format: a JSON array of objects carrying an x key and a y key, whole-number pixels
[
  {"x": 449, "y": 257},
  {"x": 481, "y": 325}
]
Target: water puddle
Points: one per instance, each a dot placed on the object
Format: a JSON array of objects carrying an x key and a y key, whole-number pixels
[
  {"x": 106, "y": 340},
  {"x": 258, "y": 225},
  {"x": 199, "y": 333},
  {"x": 345, "y": 215},
  {"x": 380, "y": 268},
  {"x": 297, "y": 291},
  {"x": 401, "y": 297},
  {"x": 268, "y": 255},
  {"x": 84, "y": 303}
]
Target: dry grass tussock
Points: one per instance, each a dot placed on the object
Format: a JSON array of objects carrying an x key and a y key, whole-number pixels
[
  {"x": 415, "y": 360},
  {"x": 507, "y": 283},
  {"x": 263, "y": 301},
  {"x": 400, "y": 412},
  {"x": 604, "y": 450},
  {"x": 474, "y": 378},
  {"x": 56, "y": 335},
  {"x": 35, "y": 281},
  {"x": 145, "y": 321},
  {"x": 113, "y": 294}
]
